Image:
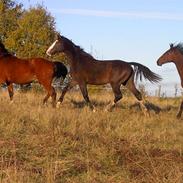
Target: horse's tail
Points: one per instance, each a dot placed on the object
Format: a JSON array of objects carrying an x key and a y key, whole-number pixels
[
  {"x": 60, "y": 70},
  {"x": 143, "y": 71}
]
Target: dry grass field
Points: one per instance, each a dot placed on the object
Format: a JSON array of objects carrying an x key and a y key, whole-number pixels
[{"x": 39, "y": 144}]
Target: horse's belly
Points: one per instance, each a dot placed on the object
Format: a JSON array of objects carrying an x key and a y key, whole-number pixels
[
  {"x": 22, "y": 79},
  {"x": 98, "y": 80}
]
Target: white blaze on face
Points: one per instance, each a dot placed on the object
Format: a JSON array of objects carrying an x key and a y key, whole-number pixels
[{"x": 50, "y": 48}]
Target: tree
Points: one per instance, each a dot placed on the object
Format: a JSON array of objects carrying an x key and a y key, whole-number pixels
[
  {"x": 35, "y": 32},
  {"x": 28, "y": 33},
  {"x": 10, "y": 12}
]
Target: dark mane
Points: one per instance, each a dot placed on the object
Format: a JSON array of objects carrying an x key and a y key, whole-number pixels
[
  {"x": 3, "y": 50},
  {"x": 179, "y": 46},
  {"x": 80, "y": 51}
]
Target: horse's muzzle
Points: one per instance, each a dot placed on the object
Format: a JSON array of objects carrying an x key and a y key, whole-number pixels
[
  {"x": 47, "y": 52},
  {"x": 158, "y": 63}
]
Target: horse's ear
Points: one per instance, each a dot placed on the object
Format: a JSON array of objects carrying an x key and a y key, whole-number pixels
[
  {"x": 171, "y": 45},
  {"x": 58, "y": 36}
]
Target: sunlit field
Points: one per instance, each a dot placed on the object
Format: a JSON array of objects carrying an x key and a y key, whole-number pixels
[{"x": 75, "y": 145}]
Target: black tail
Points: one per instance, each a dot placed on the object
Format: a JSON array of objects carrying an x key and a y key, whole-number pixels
[
  {"x": 143, "y": 71},
  {"x": 60, "y": 70}
]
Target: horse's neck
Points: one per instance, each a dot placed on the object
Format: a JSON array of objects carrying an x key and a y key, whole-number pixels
[
  {"x": 85, "y": 60},
  {"x": 77, "y": 57},
  {"x": 179, "y": 65},
  {"x": 71, "y": 58}
]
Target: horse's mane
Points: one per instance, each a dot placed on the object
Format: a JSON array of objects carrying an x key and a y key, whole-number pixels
[
  {"x": 78, "y": 50},
  {"x": 179, "y": 46}
]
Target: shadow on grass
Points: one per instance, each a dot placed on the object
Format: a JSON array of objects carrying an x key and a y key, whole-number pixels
[
  {"x": 82, "y": 104},
  {"x": 150, "y": 106}
]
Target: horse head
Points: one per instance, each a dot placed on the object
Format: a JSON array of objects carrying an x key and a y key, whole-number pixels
[{"x": 56, "y": 47}]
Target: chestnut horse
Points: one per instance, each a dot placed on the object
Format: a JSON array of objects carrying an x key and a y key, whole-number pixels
[
  {"x": 85, "y": 69},
  {"x": 24, "y": 71},
  {"x": 175, "y": 55}
]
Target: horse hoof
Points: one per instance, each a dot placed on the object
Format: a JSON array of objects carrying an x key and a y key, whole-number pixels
[
  {"x": 94, "y": 110},
  {"x": 108, "y": 109},
  {"x": 45, "y": 104},
  {"x": 11, "y": 102},
  {"x": 58, "y": 105},
  {"x": 105, "y": 110}
]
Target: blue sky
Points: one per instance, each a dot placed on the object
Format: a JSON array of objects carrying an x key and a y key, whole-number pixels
[{"x": 133, "y": 30}]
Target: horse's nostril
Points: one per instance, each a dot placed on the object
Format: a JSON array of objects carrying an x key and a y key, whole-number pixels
[{"x": 158, "y": 63}]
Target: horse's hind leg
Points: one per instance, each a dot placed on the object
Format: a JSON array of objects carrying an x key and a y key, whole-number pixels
[
  {"x": 117, "y": 95},
  {"x": 51, "y": 92},
  {"x": 53, "y": 96},
  {"x": 46, "y": 98},
  {"x": 131, "y": 86},
  {"x": 180, "y": 110},
  {"x": 10, "y": 91}
]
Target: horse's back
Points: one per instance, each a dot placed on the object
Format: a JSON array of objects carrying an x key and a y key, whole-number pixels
[
  {"x": 42, "y": 65},
  {"x": 116, "y": 65},
  {"x": 102, "y": 72},
  {"x": 120, "y": 71}
]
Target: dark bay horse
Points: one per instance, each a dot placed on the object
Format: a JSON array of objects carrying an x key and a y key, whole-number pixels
[
  {"x": 175, "y": 55},
  {"x": 87, "y": 70},
  {"x": 24, "y": 71}
]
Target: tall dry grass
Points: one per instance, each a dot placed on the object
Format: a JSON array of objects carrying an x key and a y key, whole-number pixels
[{"x": 72, "y": 144}]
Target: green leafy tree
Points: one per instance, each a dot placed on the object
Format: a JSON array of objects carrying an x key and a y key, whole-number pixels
[
  {"x": 10, "y": 12},
  {"x": 36, "y": 31},
  {"x": 28, "y": 33}
]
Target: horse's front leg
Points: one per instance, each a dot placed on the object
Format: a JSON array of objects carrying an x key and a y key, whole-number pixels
[
  {"x": 68, "y": 87},
  {"x": 83, "y": 88},
  {"x": 10, "y": 91},
  {"x": 180, "y": 110}
]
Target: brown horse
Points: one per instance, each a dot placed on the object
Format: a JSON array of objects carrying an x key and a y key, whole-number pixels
[
  {"x": 175, "y": 55},
  {"x": 87, "y": 70},
  {"x": 23, "y": 71}
]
